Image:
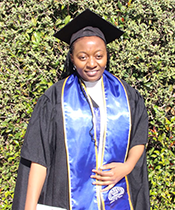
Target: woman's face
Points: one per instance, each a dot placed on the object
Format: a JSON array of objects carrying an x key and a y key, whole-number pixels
[{"x": 89, "y": 57}]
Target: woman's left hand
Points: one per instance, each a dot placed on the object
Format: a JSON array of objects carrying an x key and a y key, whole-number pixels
[
  {"x": 113, "y": 173},
  {"x": 109, "y": 174}
]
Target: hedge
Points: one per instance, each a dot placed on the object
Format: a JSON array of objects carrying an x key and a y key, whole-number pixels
[{"x": 31, "y": 60}]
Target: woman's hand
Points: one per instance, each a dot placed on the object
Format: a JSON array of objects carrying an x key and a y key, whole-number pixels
[
  {"x": 108, "y": 175},
  {"x": 115, "y": 172}
]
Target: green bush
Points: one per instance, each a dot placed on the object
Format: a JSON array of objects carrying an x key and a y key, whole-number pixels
[{"x": 31, "y": 60}]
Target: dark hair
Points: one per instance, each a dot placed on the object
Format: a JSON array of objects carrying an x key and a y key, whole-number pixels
[{"x": 68, "y": 65}]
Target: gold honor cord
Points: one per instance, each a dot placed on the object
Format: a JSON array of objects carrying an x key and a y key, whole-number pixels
[{"x": 104, "y": 136}]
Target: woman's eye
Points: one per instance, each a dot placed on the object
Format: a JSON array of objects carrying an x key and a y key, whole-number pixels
[
  {"x": 82, "y": 58},
  {"x": 98, "y": 56}
]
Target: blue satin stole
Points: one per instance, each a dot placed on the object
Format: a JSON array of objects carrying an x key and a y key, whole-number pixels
[{"x": 81, "y": 136}]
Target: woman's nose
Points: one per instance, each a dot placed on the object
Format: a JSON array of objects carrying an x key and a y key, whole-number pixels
[{"x": 91, "y": 62}]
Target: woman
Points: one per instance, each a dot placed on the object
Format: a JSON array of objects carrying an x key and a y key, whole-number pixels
[{"x": 85, "y": 144}]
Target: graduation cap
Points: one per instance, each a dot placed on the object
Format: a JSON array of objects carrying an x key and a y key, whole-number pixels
[{"x": 88, "y": 24}]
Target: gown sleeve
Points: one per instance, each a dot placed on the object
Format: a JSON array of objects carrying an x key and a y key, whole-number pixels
[
  {"x": 38, "y": 146},
  {"x": 139, "y": 132},
  {"x": 139, "y": 117}
]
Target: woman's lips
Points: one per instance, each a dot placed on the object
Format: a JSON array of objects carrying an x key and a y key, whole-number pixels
[{"x": 91, "y": 73}]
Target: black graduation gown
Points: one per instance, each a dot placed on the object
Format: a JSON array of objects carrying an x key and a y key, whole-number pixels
[{"x": 44, "y": 144}]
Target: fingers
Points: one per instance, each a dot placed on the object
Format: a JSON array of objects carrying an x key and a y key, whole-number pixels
[
  {"x": 108, "y": 188},
  {"x": 103, "y": 173},
  {"x": 102, "y": 183},
  {"x": 108, "y": 166},
  {"x": 101, "y": 178},
  {"x": 108, "y": 175},
  {"x": 109, "y": 185}
]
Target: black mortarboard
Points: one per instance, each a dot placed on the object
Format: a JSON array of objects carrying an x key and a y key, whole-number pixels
[{"x": 85, "y": 19}]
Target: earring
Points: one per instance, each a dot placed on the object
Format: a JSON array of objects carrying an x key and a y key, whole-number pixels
[{"x": 74, "y": 68}]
